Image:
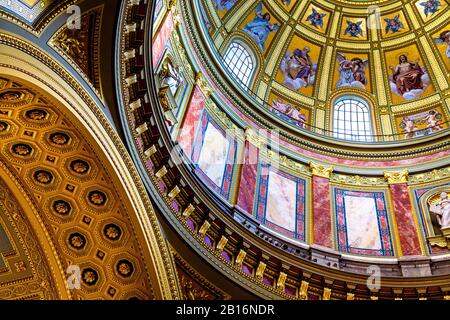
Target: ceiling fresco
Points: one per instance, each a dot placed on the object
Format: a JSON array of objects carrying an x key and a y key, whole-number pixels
[{"x": 396, "y": 55}]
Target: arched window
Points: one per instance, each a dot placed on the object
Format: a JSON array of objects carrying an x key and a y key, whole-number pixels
[
  {"x": 239, "y": 62},
  {"x": 351, "y": 120}
]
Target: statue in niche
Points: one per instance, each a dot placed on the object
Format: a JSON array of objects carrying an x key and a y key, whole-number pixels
[
  {"x": 442, "y": 211},
  {"x": 352, "y": 73},
  {"x": 444, "y": 38},
  {"x": 170, "y": 76},
  {"x": 298, "y": 69},
  {"x": 260, "y": 27},
  {"x": 408, "y": 79}
]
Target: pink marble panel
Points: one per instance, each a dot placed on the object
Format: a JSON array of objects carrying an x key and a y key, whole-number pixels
[
  {"x": 247, "y": 184},
  {"x": 321, "y": 211},
  {"x": 191, "y": 121},
  {"x": 161, "y": 39},
  {"x": 406, "y": 228}
]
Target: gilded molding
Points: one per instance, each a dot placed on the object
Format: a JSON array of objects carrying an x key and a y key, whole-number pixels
[
  {"x": 396, "y": 177},
  {"x": 321, "y": 170}
]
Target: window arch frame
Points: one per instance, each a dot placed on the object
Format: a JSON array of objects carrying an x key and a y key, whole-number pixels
[
  {"x": 358, "y": 135},
  {"x": 251, "y": 53}
]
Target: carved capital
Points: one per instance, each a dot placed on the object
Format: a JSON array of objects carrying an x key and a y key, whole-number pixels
[
  {"x": 396, "y": 177},
  {"x": 201, "y": 82},
  {"x": 321, "y": 170}
]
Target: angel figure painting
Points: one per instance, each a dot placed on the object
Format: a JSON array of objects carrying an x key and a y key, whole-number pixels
[
  {"x": 298, "y": 69},
  {"x": 316, "y": 18},
  {"x": 351, "y": 72},
  {"x": 421, "y": 124},
  {"x": 444, "y": 38},
  {"x": 354, "y": 29},
  {"x": 289, "y": 113},
  {"x": 224, "y": 4},
  {"x": 394, "y": 25},
  {"x": 408, "y": 80},
  {"x": 260, "y": 28}
]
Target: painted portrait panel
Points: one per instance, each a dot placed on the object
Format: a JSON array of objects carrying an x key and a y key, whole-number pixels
[
  {"x": 298, "y": 67},
  {"x": 408, "y": 76},
  {"x": 261, "y": 26},
  {"x": 352, "y": 71}
]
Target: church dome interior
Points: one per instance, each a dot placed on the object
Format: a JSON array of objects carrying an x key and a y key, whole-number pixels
[{"x": 225, "y": 149}]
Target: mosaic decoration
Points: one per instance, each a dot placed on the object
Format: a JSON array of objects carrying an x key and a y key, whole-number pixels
[
  {"x": 353, "y": 29},
  {"x": 362, "y": 225},
  {"x": 260, "y": 27},
  {"x": 298, "y": 68},
  {"x": 281, "y": 201},
  {"x": 224, "y": 5},
  {"x": 289, "y": 113},
  {"x": 422, "y": 124},
  {"x": 213, "y": 155},
  {"x": 442, "y": 42},
  {"x": 393, "y": 25},
  {"x": 408, "y": 78},
  {"x": 316, "y": 19},
  {"x": 288, "y": 4},
  {"x": 430, "y": 7},
  {"x": 352, "y": 71}
]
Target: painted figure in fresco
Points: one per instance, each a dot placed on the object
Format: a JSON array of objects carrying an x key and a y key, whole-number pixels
[
  {"x": 430, "y": 7},
  {"x": 316, "y": 18},
  {"x": 442, "y": 209},
  {"x": 433, "y": 123},
  {"x": 351, "y": 72},
  {"x": 444, "y": 38},
  {"x": 224, "y": 4},
  {"x": 298, "y": 68},
  {"x": 409, "y": 127},
  {"x": 354, "y": 29},
  {"x": 394, "y": 25},
  {"x": 408, "y": 78},
  {"x": 260, "y": 27},
  {"x": 288, "y": 110}
]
